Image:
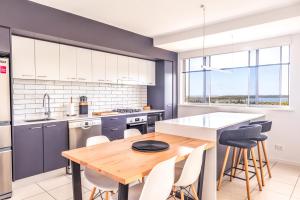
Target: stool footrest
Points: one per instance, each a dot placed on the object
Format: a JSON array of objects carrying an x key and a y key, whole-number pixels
[{"x": 227, "y": 173}]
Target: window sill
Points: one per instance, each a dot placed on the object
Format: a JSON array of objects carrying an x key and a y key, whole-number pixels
[{"x": 224, "y": 106}]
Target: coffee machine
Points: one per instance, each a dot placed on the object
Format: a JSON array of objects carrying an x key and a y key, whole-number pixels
[{"x": 83, "y": 105}]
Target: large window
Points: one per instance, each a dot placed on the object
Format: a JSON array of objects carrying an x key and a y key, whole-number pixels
[{"x": 256, "y": 77}]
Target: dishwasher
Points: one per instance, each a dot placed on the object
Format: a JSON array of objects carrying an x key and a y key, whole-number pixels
[{"x": 80, "y": 131}]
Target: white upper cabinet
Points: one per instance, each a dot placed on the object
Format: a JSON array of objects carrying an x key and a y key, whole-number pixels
[
  {"x": 123, "y": 65},
  {"x": 68, "y": 56},
  {"x": 151, "y": 73},
  {"x": 84, "y": 65},
  {"x": 133, "y": 70},
  {"x": 143, "y": 71},
  {"x": 46, "y": 60},
  {"x": 98, "y": 66},
  {"x": 111, "y": 71},
  {"x": 23, "y": 58}
]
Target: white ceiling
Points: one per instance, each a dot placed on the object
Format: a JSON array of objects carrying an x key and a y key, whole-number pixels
[{"x": 159, "y": 17}]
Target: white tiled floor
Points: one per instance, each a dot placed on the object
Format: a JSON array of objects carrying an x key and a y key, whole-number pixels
[{"x": 285, "y": 185}]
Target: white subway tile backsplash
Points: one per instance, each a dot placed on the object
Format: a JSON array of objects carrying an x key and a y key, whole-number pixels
[{"x": 28, "y": 96}]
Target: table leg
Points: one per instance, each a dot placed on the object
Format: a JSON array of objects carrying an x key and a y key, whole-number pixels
[
  {"x": 76, "y": 181},
  {"x": 201, "y": 177},
  {"x": 123, "y": 192}
]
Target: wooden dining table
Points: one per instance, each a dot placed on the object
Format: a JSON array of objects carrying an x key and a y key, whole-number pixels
[{"x": 118, "y": 161}]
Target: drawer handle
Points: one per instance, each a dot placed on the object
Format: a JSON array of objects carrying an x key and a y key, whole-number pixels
[
  {"x": 50, "y": 126},
  {"x": 37, "y": 127},
  {"x": 42, "y": 76},
  {"x": 114, "y": 129},
  {"x": 114, "y": 118}
]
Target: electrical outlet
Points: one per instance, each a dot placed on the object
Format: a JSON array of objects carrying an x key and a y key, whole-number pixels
[{"x": 278, "y": 147}]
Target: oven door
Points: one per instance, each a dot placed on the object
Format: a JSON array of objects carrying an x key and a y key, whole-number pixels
[{"x": 142, "y": 127}]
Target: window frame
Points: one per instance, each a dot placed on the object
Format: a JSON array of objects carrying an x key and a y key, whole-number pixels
[{"x": 207, "y": 95}]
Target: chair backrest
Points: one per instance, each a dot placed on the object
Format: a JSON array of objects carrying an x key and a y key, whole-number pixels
[
  {"x": 266, "y": 125},
  {"x": 96, "y": 140},
  {"x": 192, "y": 168},
  {"x": 131, "y": 133},
  {"x": 243, "y": 133},
  {"x": 158, "y": 184}
]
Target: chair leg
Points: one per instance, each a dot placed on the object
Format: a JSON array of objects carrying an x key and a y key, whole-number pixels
[
  {"x": 245, "y": 155},
  {"x": 194, "y": 192},
  {"x": 261, "y": 167},
  {"x": 106, "y": 195},
  {"x": 223, "y": 167},
  {"x": 256, "y": 169},
  {"x": 237, "y": 161},
  {"x": 93, "y": 193},
  {"x": 182, "y": 195},
  {"x": 266, "y": 158},
  {"x": 233, "y": 162}
]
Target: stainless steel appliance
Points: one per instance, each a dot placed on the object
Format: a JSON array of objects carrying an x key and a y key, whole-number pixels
[
  {"x": 81, "y": 130},
  {"x": 138, "y": 122},
  {"x": 127, "y": 110},
  {"x": 5, "y": 131},
  {"x": 152, "y": 118}
]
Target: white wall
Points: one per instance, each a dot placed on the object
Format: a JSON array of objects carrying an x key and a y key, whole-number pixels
[{"x": 286, "y": 123}]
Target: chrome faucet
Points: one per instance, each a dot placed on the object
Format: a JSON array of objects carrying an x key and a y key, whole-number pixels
[{"x": 47, "y": 112}]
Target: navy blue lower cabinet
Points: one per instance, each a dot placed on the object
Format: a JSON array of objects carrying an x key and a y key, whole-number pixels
[
  {"x": 27, "y": 150},
  {"x": 55, "y": 141},
  {"x": 113, "y": 127}
]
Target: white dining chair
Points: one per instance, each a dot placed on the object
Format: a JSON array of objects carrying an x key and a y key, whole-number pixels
[
  {"x": 158, "y": 185},
  {"x": 105, "y": 185},
  {"x": 131, "y": 132},
  {"x": 190, "y": 172}
]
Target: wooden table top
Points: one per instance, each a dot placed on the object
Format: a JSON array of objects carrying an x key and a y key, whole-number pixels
[{"x": 118, "y": 161}]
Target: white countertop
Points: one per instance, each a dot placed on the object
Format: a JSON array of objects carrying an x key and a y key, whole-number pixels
[
  {"x": 82, "y": 117},
  {"x": 217, "y": 120}
]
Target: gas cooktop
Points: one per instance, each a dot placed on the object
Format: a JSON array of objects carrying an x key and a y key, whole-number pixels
[{"x": 127, "y": 110}]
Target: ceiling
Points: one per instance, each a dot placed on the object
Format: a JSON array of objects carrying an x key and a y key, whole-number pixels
[{"x": 159, "y": 17}]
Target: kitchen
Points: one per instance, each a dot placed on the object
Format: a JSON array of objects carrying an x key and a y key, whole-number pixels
[{"x": 67, "y": 77}]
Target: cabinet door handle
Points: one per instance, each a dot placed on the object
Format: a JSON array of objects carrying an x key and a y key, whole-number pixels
[
  {"x": 81, "y": 79},
  {"x": 114, "y": 129},
  {"x": 37, "y": 127},
  {"x": 50, "y": 126},
  {"x": 27, "y": 75},
  {"x": 100, "y": 80},
  {"x": 114, "y": 118},
  {"x": 42, "y": 76}
]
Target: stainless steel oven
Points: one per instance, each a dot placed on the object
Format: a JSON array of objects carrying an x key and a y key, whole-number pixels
[
  {"x": 152, "y": 118},
  {"x": 138, "y": 122}
]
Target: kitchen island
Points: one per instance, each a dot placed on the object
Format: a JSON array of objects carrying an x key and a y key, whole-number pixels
[{"x": 208, "y": 127}]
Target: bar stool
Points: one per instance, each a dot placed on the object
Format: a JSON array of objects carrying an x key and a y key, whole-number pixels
[
  {"x": 261, "y": 141},
  {"x": 240, "y": 138}
]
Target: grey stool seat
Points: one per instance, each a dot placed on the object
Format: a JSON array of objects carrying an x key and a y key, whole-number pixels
[
  {"x": 265, "y": 125},
  {"x": 241, "y": 143},
  {"x": 261, "y": 138}
]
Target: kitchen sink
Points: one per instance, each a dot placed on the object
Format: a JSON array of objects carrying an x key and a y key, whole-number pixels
[{"x": 39, "y": 120}]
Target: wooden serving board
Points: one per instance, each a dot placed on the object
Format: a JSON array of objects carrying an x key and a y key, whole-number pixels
[{"x": 105, "y": 113}]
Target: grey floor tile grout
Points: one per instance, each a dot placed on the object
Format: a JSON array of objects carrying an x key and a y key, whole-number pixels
[{"x": 294, "y": 187}]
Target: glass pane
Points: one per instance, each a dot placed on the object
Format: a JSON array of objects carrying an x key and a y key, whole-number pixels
[
  {"x": 229, "y": 86},
  {"x": 285, "y": 54},
  {"x": 253, "y": 97},
  {"x": 196, "y": 88},
  {"x": 285, "y": 85},
  {"x": 269, "y": 85},
  {"x": 269, "y": 56},
  {"x": 196, "y": 64},
  {"x": 230, "y": 60}
]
